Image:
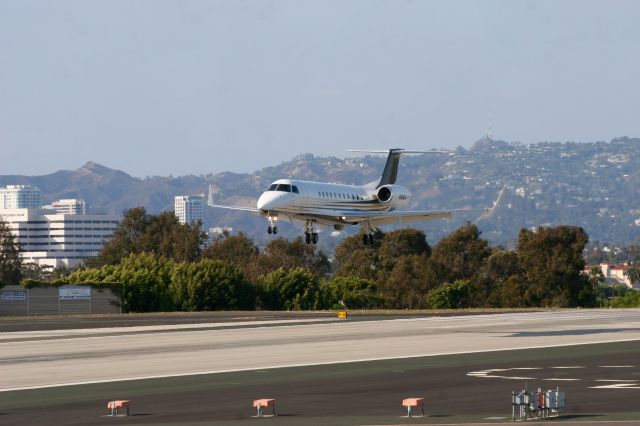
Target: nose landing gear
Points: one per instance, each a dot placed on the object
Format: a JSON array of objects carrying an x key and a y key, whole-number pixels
[{"x": 272, "y": 229}]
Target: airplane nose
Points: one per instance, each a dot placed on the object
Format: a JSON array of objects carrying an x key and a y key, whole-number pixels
[
  {"x": 261, "y": 202},
  {"x": 266, "y": 201}
]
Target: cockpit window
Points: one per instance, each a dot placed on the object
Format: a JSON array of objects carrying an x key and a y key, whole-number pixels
[{"x": 283, "y": 187}]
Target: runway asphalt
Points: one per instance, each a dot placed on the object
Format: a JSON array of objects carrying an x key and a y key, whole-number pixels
[
  {"x": 602, "y": 385},
  {"x": 81, "y": 321}
]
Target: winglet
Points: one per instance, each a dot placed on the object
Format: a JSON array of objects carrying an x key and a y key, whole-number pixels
[
  {"x": 495, "y": 203},
  {"x": 489, "y": 210}
]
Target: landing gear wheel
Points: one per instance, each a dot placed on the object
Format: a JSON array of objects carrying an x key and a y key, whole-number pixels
[
  {"x": 269, "y": 230},
  {"x": 275, "y": 230},
  {"x": 307, "y": 238},
  {"x": 315, "y": 237}
]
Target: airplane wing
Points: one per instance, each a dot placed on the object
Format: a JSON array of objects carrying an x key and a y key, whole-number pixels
[
  {"x": 399, "y": 217},
  {"x": 244, "y": 209},
  {"x": 388, "y": 218}
]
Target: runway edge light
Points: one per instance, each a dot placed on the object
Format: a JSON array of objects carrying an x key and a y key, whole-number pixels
[{"x": 342, "y": 314}]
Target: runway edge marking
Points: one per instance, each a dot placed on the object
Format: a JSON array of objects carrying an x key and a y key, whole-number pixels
[{"x": 312, "y": 364}]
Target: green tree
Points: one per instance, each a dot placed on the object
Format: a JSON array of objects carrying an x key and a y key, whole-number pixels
[
  {"x": 236, "y": 249},
  {"x": 37, "y": 272},
  {"x": 162, "y": 234},
  {"x": 634, "y": 274},
  {"x": 10, "y": 261},
  {"x": 144, "y": 281},
  {"x": 281, "y": 253},
  {"x": 596, "y": 278},
  {"x": 406, "y": 285},
  {"x": 210, "y": 285},
  {"x": 294, "y": 289},
  {"x": 451, "y": 295},
  {"x": 512, "y": 293},
  {"x": 459, "y": 256},
  {"x": 356, "y": 259},
  {"x": 552, "y": 264},
  {"x": 403, "y": 242},
  {"x": 500, "y": 267},
  {"x": 353, "y": 293},
  {"x": 630, "y": 300}
]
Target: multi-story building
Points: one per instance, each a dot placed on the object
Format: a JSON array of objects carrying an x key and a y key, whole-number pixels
[
  {"x": 51, "y": 239},
  {"x": 68, "y": 206},
  {"x": 189, "y": 208},
  {"x": 615, "y": 274},
  {"x": 19, "y": 197}
]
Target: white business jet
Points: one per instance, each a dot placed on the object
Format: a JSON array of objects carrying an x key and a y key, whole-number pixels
[{"x": 317, "y": 203}]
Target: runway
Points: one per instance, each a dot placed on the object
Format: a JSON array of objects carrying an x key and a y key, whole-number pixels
[
  {"x": 51, "y": 357},
  {"x": 350, "y": 372}
]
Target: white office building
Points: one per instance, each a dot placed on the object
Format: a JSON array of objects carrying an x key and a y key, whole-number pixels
[
  {"x": 51, "y": 239},
  {"x": 189, "y": 208},
  {"x": 19, "y": 197},
  {"x": 68, "y": 206}
]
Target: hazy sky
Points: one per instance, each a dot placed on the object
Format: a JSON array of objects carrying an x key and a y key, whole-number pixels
[{"x": 157, "y": 87}]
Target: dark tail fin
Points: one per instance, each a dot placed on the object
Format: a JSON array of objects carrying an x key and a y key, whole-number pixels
[{"x": 390, "y": 173}]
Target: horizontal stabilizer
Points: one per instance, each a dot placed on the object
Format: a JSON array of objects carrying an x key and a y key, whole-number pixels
[{"x": 398, "y": 150}]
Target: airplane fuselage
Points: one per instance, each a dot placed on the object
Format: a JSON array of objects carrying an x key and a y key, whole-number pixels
[{"x": 328, "y": 203}]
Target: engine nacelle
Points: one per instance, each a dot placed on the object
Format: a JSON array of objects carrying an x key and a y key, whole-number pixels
[{"x": 394, "y": 195}]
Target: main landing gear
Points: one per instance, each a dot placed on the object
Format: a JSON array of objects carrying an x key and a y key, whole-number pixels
[
  {"x": 368, "y": 239},
  {"x": 310, "y": 234}
]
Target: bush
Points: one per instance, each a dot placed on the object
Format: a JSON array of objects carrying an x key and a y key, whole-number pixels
[
  {"x": 629, "y": 300},
  {"x": 210, "y": 285},
  {"x": 451, "y": 296},
  {"x": 295, "y": 289},
  {"x": 353, "y": 293}
]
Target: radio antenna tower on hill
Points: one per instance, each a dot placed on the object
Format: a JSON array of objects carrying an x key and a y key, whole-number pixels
[{"x": 488, "y": 135}]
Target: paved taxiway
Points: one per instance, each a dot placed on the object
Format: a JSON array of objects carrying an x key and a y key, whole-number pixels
[{"x": 49, "y": 358}]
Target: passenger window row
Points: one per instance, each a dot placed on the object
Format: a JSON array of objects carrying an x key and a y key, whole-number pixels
[{"x": 326, "y": 194}]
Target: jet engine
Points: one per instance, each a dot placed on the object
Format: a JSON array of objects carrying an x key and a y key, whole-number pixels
[{"x": 394, "y": 195}]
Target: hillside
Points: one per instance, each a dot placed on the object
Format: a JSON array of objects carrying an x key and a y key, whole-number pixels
[{"x": 593, "y": 185}]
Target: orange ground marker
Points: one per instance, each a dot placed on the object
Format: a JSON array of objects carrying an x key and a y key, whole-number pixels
[
  {"x": 261, "y": 404},
  {"x": 411, "y": 403},
  {"x": 120, "y": 404}
]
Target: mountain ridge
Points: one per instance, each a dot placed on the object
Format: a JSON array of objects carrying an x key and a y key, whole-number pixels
[{"x": 595, "y": 185}]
